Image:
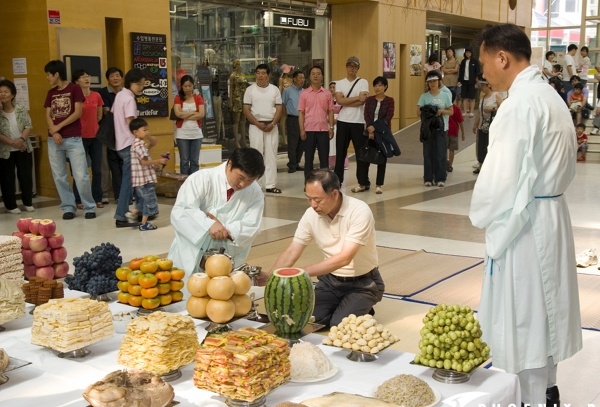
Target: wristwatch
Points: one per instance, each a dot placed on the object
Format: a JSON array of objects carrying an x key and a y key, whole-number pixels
[{"x": 24, "y": 139}]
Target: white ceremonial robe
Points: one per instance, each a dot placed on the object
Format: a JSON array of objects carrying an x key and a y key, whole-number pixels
[
  {"x": 529, "y": 307},
  {"x": 206, "y": 191}
]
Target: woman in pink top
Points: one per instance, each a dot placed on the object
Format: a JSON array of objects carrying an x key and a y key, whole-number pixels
[
  {"x": 91, "y": 114},
  {"x": 432, "y": 64}
]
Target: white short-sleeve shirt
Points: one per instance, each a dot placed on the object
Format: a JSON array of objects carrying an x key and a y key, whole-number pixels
[
  {"x": 352, "y": 114},
  {"x": 262, "y": 101}
]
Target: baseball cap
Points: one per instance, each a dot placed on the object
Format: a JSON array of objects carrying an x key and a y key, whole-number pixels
[{"x": 353, "y": 60}]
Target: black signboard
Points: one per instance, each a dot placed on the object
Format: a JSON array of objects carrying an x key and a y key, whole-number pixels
[
  {"x": 209, "y": 123},
  {"x": 292, "y": 21},
  {"x": 149, "y": 53}
]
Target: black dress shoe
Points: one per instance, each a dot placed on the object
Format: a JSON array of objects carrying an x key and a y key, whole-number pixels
[
  {"x": 298, "y": 168},
  {"x": 290, "y": 171},
  {"x": 90, "y": 215},
  {"x": 68, "y": 215},
  {"x": 552, "y": 397},
  {"x": 125, "y": 224}
]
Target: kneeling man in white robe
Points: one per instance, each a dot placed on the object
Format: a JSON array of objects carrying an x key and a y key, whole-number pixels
[{"x": 529, "y": 308}]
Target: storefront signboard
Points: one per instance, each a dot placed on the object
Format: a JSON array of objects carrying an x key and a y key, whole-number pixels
[
  {"x": 149, "y": 53},
  {"x": 209, "y": 123},
  {"x": 290, "y": 21}
]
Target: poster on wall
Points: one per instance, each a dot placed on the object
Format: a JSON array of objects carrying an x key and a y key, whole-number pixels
[
  {"x": 209, "y": 123},
  {"x": 389, "y": 60},
  {"x": 416, "y": 52},
  {"x": 149, "y": 53}
]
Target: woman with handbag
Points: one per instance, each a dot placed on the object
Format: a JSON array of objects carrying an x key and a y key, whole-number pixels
[
  {"x": 15, "y": 150},
  {"x": 189, "y": 108},
  {"x": 490, "y": 102},
  {"x": 377, "y": 108}
]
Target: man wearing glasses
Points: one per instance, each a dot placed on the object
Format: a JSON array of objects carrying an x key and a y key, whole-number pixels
[{"x": 351, "y": 93}]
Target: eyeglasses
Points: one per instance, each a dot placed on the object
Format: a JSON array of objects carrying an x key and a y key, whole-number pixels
[
  {"x": 352, "y": 66},
  {"x": 84, "y": 77}
]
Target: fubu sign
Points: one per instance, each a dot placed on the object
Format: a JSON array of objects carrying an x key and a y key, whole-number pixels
[{"x": 291, "y": 21}]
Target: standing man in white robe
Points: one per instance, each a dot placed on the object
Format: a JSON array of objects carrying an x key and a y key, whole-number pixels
[
  {"x": 218, "y": 207},
  {"x": 529, "y": 308}
]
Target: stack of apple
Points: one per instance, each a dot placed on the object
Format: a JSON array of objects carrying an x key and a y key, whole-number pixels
[
  {"x": 218, "y": 293},
  {"x": 42, "y": 248},
  {"x": 150, "y": 282}
]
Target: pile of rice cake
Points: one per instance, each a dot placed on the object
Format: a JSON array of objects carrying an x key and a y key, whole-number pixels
[
  {"x": 12, "y": 301},
  {"x": 11, "y": 259},
  {"x": 159, "y": 343},
  {"x": 243, "y": 365},
  {"x": 68, "y": 324}
]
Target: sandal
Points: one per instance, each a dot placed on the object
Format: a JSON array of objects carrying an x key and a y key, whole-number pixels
[
  {"x": 273, "y": 190},
  {"x": 359, "y": 188},
  {"x": 476, "y": 171}
]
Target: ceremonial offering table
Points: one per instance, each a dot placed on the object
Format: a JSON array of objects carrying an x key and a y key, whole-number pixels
[{"x": 50, "y": 381}]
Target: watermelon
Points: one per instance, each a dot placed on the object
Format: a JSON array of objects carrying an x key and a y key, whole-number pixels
[{"x": 289, "y": 299}]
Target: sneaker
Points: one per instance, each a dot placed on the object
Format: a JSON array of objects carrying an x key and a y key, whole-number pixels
[
  {"x": 68, "y": 215},
  {"x": 378, "y": 190},
  {"x": 471, "y": 115},
  {"x": 587, "y": 258},
  {"x": 131, "y": 218},
  {"x": 428, "y": 184},
  {"x": 30, "y": 209},
  {"x": 105, "y": 201},
  {"x": 595, "y": 131},
  {"x": 440, "y": 184},
  {"x": 147, "y": 226},
  {"x": 15, "y": 211}
]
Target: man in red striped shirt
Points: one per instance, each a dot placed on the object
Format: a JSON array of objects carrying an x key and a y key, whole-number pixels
[{"x": 315, "y": 117}]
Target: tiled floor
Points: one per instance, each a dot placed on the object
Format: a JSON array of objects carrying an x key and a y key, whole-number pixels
[{"x": 408, "y": 216}]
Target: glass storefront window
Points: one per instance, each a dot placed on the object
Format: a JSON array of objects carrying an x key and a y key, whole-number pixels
[
  {"x": 215, "y": 35},
  {"x": 592, "y": 8},
  {"x": 539, "y": 38}
]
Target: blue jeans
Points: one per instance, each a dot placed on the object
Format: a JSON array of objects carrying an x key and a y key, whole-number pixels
[
  {"x": 126, "y": 192},
  {"x": 146, "y": 202},
  {"x": 434, "y": 157},
  {"x": 189, "y": 154},
  {"x": 58, "y": 163},
  {"x": 93, "y": 147}
]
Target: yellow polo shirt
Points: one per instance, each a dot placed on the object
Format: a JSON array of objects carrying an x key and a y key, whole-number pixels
[{"x": 353, "y": 223}]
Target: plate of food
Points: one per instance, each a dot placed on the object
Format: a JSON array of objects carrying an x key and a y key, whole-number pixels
[
  {"x": 309, "y": 364},
  {"x": 408, "y": 391}
]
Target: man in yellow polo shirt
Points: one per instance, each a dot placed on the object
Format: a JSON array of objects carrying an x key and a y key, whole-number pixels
[{"x": 344, "y": 229}]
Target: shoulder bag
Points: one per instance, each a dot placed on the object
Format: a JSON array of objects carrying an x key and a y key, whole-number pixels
[{"x": 106, "y": 131}]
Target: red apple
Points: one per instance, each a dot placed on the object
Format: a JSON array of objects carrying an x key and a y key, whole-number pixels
[
  {"x": 18, "y": 234},
  {"x": 27, "y": 256},
  {"x": 61, "y": 269},
  {"x": 56, "y": 240},
  {"x": 47, "y": 227},
  {"x": 59, "y": 254},
  {"x": 25, "y": 240},
  {"x": 23, "y": 224},
  {"x": 46, "y": 272},
  {"x": 30, "y": 271},
  {"x": 34, "y": 226},
  {"x": 48, "y": 249},
  {"x": 38, "y": 243},
  {"x": 42, "y": 259}
]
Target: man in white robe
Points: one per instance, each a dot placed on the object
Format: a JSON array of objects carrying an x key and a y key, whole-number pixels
[
  {"x": 218, "y": 207},
  {"x": 529, "y": 308}
]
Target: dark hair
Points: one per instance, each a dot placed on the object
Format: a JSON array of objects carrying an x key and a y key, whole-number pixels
[
  {"x": 453, "y": 93},
  {"x": 578, "y": 86},
  {"x": 265, "y": 67},
  {"x": 249, "y": 160},
  {"x": 184, "y": 79},
  {"x": 381, "y": 80},
  {"x": 586, "y": 49},
  {"x": 57, "y": 66},
  {"x": 451, "y": 48},
  {"x": 480, "y": 76},
  {"x": 332, "y": 82},
  {"x": 571, "y": 47},
  {"x": 432, "y": 58},
  {"x": 132, "y": 76},
  {"x": 11, "y": 86},
  {"x": 296, "y": 73},
  {"x": 328, "y": 179},
  {"x": 558, "y": 67},
  {"x": 505, "y": 37},
  {"x": 78, "y": 73},
  {"x": 136, "y": 124},
  {"x": 558, "y": 85},
  {"x": 581, "y": 125},
  {"x": 434, "y": 72},
  {"x": 320, "y": 69},
  {"x": 575, "y": 78},
  {"x": 112, "y": 70},
  {"x": 549, "y": 53}
]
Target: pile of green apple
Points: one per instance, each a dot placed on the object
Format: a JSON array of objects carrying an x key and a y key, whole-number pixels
[
  {"x": 150, "y": 282},
  {"x": 451, "y": 339}
]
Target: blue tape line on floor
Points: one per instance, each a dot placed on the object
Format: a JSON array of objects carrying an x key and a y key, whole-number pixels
[{"x": 444, "y": 279}]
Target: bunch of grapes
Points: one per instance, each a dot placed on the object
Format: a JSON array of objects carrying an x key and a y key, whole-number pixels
[
  {"x": 95, "y": 271},
  {"x": 451, "y": 339}
]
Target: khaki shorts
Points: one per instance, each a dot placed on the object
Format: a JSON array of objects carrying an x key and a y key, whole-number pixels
[{"x": 452, "y": 143}]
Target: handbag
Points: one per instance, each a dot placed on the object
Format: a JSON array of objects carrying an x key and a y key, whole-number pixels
[
  {"x": 106, "y": 131},
  {"x": 486, "y": 122},
  {"x": 370, "y": 154},
  {"x": 172, "y": 115}
]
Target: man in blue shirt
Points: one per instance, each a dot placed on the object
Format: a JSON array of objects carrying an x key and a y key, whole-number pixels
[{"x": 290, "y": 98}]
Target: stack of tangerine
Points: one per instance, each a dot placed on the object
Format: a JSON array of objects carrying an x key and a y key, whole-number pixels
[{"x": 150, "y": 282}]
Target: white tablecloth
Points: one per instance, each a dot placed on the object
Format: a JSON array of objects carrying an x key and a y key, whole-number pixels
[{"x": 50, "y": 381}]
